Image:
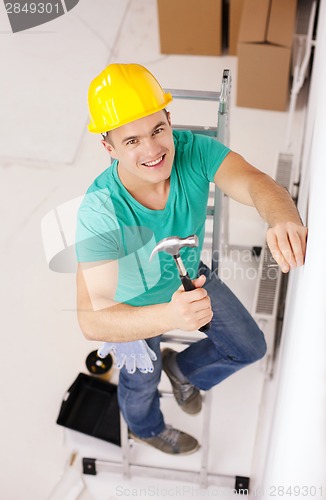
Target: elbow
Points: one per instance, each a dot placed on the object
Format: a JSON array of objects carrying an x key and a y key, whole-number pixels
[
  {"x": 88, "y": 334},
  {"x": 92, "y": 330},
  {"x": 87, "y": 329}
]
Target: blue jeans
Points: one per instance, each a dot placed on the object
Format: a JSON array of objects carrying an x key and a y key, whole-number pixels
[{"x": 233, "y": 342}]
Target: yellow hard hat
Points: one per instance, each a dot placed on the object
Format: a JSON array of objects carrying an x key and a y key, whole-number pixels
[{"x": 122, "y": 93}]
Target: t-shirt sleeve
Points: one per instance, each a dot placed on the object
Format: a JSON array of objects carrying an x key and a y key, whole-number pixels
[
  {"x": 97, "y": 231},
  {"x": 210, "y": 154}
]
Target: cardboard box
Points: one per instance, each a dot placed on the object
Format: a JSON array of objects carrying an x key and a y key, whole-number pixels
[
  {"x": 235, "y": 14},
  {"x": 254, "y": 21},
  {"x": 282, "y": 19},
  {"x": 190, "y": 27},
  {"x": 264, "y": 53},
  {"x": 263, "y": 76}
]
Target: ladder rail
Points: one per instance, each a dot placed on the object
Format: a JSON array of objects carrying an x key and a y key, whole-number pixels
[
  {"x": 195, "y": 95},
  {"x": 219, "y": 211}
]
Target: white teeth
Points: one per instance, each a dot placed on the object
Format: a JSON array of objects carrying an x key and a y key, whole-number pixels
[{"x": 153, "y": 163}]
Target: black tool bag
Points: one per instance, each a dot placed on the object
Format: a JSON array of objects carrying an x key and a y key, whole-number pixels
[{"x": 91, "y": 406}]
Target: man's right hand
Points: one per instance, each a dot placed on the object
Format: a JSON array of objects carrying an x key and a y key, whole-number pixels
[{"x": 190, "y": 310}]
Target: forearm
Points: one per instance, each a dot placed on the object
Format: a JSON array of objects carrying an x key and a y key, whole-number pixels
[
  {"x": 248, "y": 185},
  {"x": 286, "y": 236},
  {"x": 118, "y": 322},
  {"x": 124, "y": 323},
  {"x": 273, "y": 202}
]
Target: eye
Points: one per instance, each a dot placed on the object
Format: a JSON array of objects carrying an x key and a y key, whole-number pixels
[
  {"x": 131, "y": 142},
  {"x": 158, "y": 130}
]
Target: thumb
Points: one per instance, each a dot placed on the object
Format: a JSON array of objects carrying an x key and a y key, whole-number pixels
[{"x": 199, "y": 282}]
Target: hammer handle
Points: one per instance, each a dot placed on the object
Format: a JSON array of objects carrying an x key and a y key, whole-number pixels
[
  {"x": 188, "y": 286},
  {"x": 187, "y": 283}
]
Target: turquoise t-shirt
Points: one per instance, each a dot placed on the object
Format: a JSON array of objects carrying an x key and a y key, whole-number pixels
[{"x": 112, "y": 225}]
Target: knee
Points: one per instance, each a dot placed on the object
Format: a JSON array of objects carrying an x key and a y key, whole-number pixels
[{"x": 257, "y": 348}]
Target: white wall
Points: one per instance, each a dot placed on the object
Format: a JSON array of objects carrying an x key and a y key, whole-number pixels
[{"x": 296, "y": 452}]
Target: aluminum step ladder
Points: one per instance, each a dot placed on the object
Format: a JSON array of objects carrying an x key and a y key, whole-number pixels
[{"x": 201, "y": 476}]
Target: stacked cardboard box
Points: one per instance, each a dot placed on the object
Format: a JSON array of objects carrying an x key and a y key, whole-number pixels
[
  {"x": 235, "y": 14},
  {"x": 190, "y": 27},
  {"x": 264, "y": 53}
]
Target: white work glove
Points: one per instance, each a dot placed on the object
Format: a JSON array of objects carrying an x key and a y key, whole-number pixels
[{"x": 133, "y": 355}]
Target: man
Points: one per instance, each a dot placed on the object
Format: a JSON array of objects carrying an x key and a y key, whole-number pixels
[{"x": 156, "y": 187}]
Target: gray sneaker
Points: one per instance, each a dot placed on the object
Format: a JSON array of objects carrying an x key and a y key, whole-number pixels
[
  {"x": 171, "y": 441},
  {"x": 187, "y": 395}
]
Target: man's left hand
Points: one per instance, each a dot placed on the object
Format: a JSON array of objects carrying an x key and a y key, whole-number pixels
[{"x": 287, "y": 243}]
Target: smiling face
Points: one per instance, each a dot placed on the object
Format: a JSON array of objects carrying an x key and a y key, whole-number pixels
[{"x": 144, "y": 149}]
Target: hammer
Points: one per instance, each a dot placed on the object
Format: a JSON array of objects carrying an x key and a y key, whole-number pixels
[{"x": 172, "y": 246}]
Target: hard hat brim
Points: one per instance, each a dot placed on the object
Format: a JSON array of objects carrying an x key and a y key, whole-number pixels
[{"x": 96, "y": 130}]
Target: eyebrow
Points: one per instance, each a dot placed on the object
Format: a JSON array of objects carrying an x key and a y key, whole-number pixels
[{"x": 131, "y": 137}]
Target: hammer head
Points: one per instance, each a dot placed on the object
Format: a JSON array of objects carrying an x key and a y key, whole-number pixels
[{"x": 172, "y": 245}]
